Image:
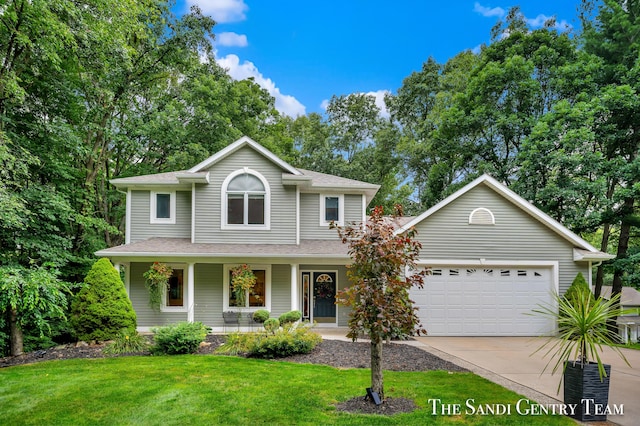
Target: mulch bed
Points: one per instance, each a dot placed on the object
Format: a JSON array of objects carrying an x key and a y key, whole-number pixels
[{"x": 336, "y": 353}]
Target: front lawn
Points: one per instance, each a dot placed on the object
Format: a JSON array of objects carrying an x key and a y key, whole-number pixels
[{"x": 228, "y": 390}]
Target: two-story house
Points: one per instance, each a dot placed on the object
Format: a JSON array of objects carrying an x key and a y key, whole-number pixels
[
  {"x": 243, "y": 205},
  {"x": 493, "y": 256}
]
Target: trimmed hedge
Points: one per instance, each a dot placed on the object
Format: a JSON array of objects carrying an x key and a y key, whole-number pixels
[
  {"x": 289, "y": 317},
  {"x": 102, "y": 309}
]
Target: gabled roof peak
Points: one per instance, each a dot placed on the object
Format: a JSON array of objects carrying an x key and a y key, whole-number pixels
[
  {"x": 517, "y": 200},
  {"x": 240, "y": 143}
]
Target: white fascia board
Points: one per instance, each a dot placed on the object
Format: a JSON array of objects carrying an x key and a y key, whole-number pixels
[
  {"x": 243, "y": 141},
  {"x": 515, "y": 199},
  {"x": 585, "y": 255}
]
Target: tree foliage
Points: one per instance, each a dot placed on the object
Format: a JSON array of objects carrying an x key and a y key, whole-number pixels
[
  {"x": 30, "y": 297},
  {"x": 380, "y": 279}
]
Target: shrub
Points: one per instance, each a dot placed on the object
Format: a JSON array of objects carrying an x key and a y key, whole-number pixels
[
  {"x": 238, "y": 343},
  {"x": 180, "y": 338},
  {"x": 261, "y": 315},
  {"x": 271, "y": 325},
  {"x": 127, "y": 343},
  {"x": 102, "y": 308},
  {"x": 578, "y": 286},
  {"x": 289, "y": 317},
  {"x": 285, "y": 342}
]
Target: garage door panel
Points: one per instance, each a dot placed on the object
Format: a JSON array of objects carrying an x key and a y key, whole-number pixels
[{"x": 468, "y": 301}]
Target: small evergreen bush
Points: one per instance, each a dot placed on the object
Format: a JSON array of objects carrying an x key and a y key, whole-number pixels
[
  {"x": 102, "y": 308},
  {"x": 578, "y": 287},
  {"x": 261, "y": 315},
  {"x": 180, "y": 338},
  {"x": 271, "y": 325},
  {"x": 127, "y": 343},
  {"x": 289, "y": 317}
]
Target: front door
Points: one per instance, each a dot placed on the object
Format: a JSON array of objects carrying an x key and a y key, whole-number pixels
[{"x": 319, "y": 301}]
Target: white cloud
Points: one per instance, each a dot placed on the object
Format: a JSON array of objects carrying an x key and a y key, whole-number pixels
[
  {"x": 378, "y": 95},
  {"x": 222, "y": 10},
  {"x": 538, "y": 22},
  {"x": 488, "y": 11},
  {"x": 285, "y": 104},
  {"x": 232, "y": 39}
]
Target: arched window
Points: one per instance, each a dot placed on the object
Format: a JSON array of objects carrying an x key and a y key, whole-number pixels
[
  {"x": 245, "y": 200},
  {"x": 481, "y": 216}
]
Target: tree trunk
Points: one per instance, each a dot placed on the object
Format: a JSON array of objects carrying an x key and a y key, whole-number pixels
[
  {"x": 623, "y": 245},
  {"x": 376, "y": 367},
  {"x": 17, "y": 346},
  {"x": 606, "y": 231}
]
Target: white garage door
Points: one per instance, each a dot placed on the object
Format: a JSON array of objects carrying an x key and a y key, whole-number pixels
[{"x": 484, "y": 301}]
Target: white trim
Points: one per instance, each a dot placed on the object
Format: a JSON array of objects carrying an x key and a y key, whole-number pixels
[
  {"x": 515, "y": 199},
  {"x": 127, "y": 231},
  {"x": 224, "y": 202},
  {"x": 243, "y": 141},
  {"x": 186, "y": 297},
  {"x": 193, "y": 213},
  {"x": 171, "y": 220},
  {"x": 297, "y": 215},
  {"x": 190, "y": 296},
  {"x": 323, "y": 198},
  {"x": 483, "y": 209},
  {"x": 226, "y": 283}
]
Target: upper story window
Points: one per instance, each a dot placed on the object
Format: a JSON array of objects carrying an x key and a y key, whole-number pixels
[
  {"x": 163, "y": 207},
  {"x": 246, "y": 199},
  {"x": 331, "y": 209}
]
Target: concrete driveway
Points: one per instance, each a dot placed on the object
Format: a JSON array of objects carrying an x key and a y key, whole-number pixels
[{"x": 510, "y": 362}]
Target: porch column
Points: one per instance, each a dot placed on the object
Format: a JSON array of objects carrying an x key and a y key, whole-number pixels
[
  {"x": 190, "y": 287},
  {"x": 295, "y": 302}
]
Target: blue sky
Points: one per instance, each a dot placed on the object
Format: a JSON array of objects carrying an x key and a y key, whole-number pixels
[{"x": 303, "y": 52}]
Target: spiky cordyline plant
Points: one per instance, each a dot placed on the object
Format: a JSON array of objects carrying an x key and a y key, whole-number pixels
[{"x": 582, "y": 330}]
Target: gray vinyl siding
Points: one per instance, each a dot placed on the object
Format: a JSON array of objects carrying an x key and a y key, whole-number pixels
[
  {"x": 516, "y": 236},
  {"x": 310, "y": 228},
  {"x": 208, "y": 203},
  {"x": 280, "y": 289},
  {"x": 139, "y": 296},
  {"x": 208, "y": 294},
  {"x": 141, "y": 226}
]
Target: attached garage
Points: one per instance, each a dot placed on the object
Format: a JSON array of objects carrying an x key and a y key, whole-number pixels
[{"x": 485, "y": 300}]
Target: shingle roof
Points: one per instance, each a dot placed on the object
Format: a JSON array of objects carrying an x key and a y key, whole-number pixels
[
  {"x": 326, "y": 180},
  {"x": 182, "y": 247}
]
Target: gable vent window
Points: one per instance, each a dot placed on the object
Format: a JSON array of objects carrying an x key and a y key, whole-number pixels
[{"x": 481, "y": 216}]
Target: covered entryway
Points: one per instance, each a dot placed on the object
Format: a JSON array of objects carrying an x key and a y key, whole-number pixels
[{"x": 485, "y": 300}]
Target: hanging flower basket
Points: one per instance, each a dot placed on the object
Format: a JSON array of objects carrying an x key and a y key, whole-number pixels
[
  {"x": 157, "y": 283},
  {"x": 242, "y": 281}
]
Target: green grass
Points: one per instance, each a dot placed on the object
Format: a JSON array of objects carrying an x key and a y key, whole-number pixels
[
  {"x": 183, "y": 390},
  {"x": 635, "y": 346}
]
